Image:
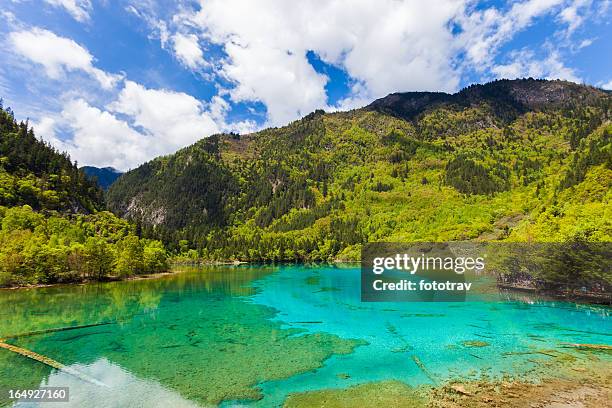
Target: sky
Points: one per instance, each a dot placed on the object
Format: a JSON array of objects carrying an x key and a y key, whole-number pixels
[{"x": 119, "y": 82}]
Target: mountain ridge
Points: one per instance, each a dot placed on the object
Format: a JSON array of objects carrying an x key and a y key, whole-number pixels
[
  {"x": 522, "y": 95},
  {"x": 104, "y": 176},
  {"x": 321, "y": 186}
]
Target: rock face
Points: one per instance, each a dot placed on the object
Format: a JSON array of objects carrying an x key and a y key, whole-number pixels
[{"x": 516, "y": 97}]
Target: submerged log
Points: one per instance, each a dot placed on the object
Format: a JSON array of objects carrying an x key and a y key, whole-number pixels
[
  {"x": 55, "y": 329},
  {"x": 588, "y": 346},
  {"x": 51, "y": 363},
  {"x": 424, "y": 369}
]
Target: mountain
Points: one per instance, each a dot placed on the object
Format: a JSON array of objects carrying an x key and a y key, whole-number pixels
[
  {"x": 35, "y": 174},
  {"x": 104, "y": 176},
  {"x": 53, "y": 227},
  {"x": 519, "y": 160}
]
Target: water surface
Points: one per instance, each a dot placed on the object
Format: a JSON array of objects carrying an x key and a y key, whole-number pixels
[{"x": 250, "y": 335}]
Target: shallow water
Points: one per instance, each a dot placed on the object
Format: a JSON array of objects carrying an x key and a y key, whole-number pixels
[{"x": 251, "y": 335}]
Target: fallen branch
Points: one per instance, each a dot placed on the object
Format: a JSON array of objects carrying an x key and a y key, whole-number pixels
[
  {"x": 424, "y": 369},
  {"x": 588, "y": 346},
  {"x": 56, "y": 329},
  {"x": 51, "y": 363}
]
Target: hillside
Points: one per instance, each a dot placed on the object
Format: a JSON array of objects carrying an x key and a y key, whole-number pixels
[
  {"x": 33, "y": 173},
  {"x": 104, "y": 176},
  {"x": 524, "y": 160},
  {"x": 53, "y": 227}
]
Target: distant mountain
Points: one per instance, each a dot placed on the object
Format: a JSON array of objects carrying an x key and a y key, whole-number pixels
[
  {"x": 105, "y": 176},
  {"x": 522, "y": 160}
]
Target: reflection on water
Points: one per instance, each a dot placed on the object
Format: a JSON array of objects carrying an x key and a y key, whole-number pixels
[
  {"x": 194, "y": 333},
  {"x": 123, "y": 389},
  {"x": 253, "y": 334},
  {"x": 27, "y": 310}
]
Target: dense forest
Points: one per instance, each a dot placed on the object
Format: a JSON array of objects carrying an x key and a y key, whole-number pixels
[
  {"x": 523, "y": 160},
  {"x": 518, "y": 161},
  {"x": 53, "y": 224}
]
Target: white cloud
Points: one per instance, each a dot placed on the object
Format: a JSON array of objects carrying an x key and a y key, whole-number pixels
[
  {"x": 525, "y": 64},
  {"x": 58, "y": 55},
  {"x": 45, "y": 128},
  {"x": 101, "y": 139},
  {"x": 219, "y": 108},
  {"x": 187, "y": 49},
  {"x": 571, "y": 15},
  {"x": 286, "y": 83},
  {"x": 607, "y": 85},
  {"x": 485, "y": 31},
  {"x": 139, "y": 125},
  {"x": 174, "y": 119},
  {"x": 78, "y": 9},
  {"x": 386, "y": 46}
]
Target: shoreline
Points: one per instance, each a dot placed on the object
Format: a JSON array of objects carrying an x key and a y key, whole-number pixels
[
  {"x": 588, "y": 297},
  {"x": 576, "y": 380},
  {"x": 81, "y": 283},
  {"x": 573, "y": 297},
  {"x": 109, "y": 279}
]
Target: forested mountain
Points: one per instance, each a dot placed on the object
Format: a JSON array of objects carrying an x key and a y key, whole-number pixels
[
  {"x": 33, "y": 173},
  {"x": 53, "y": 227},
  {"x": 104, "y": 176},
  {"x": 510, "y": 160}
]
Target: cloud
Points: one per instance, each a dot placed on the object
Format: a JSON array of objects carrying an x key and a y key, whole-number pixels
[
  {"x": 384, "y": 46},
  {"x": 261, "y": 54},
  {"x": 139, "y": 125},
  {"x": 571, "y": 14},
  {"x": 58, "y": 55},
  {"x": 607, "y": 85},
  {"x": 187, "y": 49},
  {"x": 219, "y": 109},
  {"x": 101, "y": 139},
  {"x": 525, "y": 64},
  {"x": 285, "y": 82},
  {"x": 174, "y": 119},
  {"x": 78, "y": 9},
  {"x": 136, "y": 125},
  {"x": 45, "y": 128},
  {"x": 485, "y": 31}
]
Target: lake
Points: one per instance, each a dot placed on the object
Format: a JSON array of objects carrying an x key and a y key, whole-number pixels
[{"x": 251, "y": 335}]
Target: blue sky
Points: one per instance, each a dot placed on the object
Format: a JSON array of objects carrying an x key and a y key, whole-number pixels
[{"x": 120, "y": 82}]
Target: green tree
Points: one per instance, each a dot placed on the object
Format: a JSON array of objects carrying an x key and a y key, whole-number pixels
[
  {"x": 154, "y": 257},
  {"x": 99, "y": 257},
  {"x": 129, "y": 257}
]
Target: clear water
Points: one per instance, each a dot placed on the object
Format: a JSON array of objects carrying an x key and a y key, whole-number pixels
[{"x": 251, "y": 335}]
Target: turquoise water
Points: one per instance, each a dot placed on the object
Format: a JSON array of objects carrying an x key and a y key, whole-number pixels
[{"x": 251, "y": 335}]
